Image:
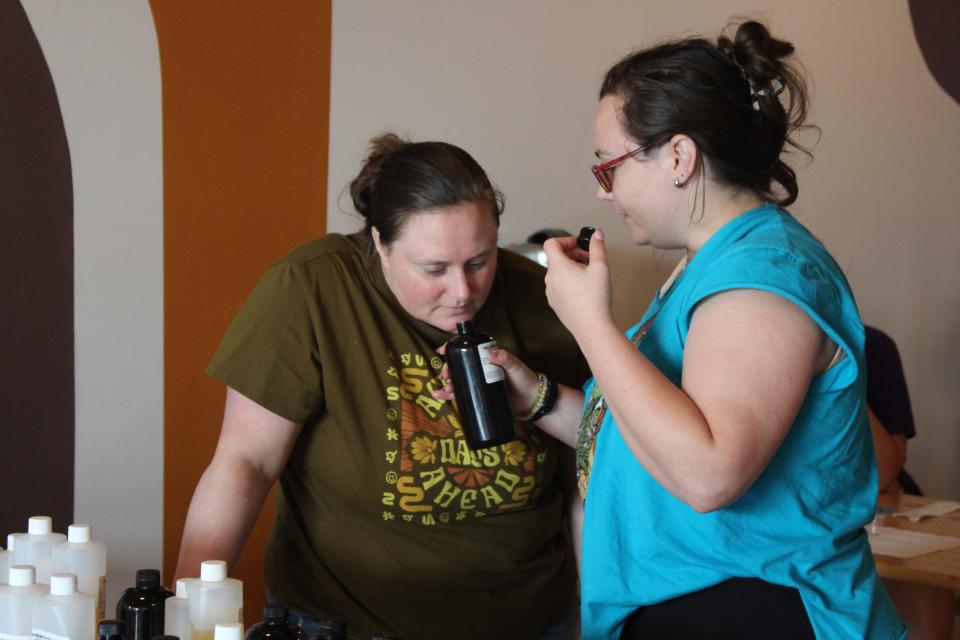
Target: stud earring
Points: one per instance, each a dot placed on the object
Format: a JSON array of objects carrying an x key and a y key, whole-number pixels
[{"x": 676, "y": 182}]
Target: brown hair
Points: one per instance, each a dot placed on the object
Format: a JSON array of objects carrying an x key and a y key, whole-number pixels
[
  {"x": 399, "y": 178},
  {"x": 726, "y": 97}
]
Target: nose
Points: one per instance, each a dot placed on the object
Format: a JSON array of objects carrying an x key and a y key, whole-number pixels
[
  {"x": 459, "y": 287},
  {"x": 603, "y": 195}
]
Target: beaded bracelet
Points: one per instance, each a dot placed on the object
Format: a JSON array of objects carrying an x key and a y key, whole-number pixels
[
  {"x": 550, "y": 399},
  {"x": 538, "y": 399}
]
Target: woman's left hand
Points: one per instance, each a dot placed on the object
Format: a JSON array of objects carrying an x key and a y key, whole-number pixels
[
  {"x": 579, "y": 293},
  {"x": 522, "y": 381}
]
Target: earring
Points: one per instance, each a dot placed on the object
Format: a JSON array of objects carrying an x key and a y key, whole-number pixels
[{"x": 676, "y": 182}]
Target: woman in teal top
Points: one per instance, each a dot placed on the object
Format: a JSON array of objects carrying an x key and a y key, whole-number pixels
[{"x": 723, "y": 447}]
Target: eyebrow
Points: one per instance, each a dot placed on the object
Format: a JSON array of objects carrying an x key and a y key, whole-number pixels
[{"x": 441, "y": 263}]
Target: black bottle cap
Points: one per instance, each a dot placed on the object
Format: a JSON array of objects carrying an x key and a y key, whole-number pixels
[
  {"x": 583, "y": 240},
  {"x": 332, "y": 627},
  {"x": 275, "y": 613},
  {"x": 147, "y": 578},
  {"x": 111, "y": 627}
]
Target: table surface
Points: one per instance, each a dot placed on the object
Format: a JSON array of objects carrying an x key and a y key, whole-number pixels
[{"x": 940, "y": 569}]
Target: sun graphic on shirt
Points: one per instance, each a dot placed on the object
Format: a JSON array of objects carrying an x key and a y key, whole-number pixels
[{"x": 424, "y": 450}]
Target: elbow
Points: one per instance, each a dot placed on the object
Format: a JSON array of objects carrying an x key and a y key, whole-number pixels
[{"x": 710, "y": 496}]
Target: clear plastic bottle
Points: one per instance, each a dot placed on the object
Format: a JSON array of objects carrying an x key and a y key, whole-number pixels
[
  {"x": 276, "y": 625},
  {"x": 64, "y": 613},
  {"x": 5, "y": 565},
  {"x": 228, "y": 631},
  {"x": 11, "y": 541},
  {"x": 480, "y": 388},
  {"x": 36, "y": 546},
  {"x": 87, "y": 559},
  {"x": 141, "y": 607},
  {"x": 177, "y": 612},
  {"x": 16, "y": 603},
  {"x": 214, "y": 599}
]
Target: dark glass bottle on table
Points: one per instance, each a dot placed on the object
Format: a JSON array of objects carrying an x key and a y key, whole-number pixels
[
  {"x": 141, "y": 607},
  {"x": 480, "y": 389},
  {"x": 276, "y": 625},
  {"x": 111, "y": 629},
  {"x": 331, "y": 629}
]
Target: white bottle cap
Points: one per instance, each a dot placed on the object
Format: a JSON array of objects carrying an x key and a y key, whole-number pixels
[
  {"x": 228, "y": 631},
  {"x": 22, "y": 575},
  {"x": 79, "y": 533},
  {"x": 63, "y": 584},
  {"x": 213, "y": 570},
  {"x": 11, "y": 537},
  {"x": 182, "y": 587},
  {"x": 39, "y": 525}
]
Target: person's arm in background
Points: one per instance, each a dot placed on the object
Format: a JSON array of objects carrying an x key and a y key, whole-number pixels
[
  {"x": 891, "y": 453},
  {"x": 888, "y": 403},
  {"x": 252, "y": 450}
]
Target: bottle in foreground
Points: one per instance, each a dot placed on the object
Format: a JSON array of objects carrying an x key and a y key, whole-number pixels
[
  {"x": 214, "y": 598},
  {"x": 176, "y": 620},
  {"x": 331, "y": 629},
  {"x": 36, "y": 546},
  {"x": 64, "y": 613},
  {"x": 87, "y": 559},
  {"x": 480, "y": 388},
  {"x": 16, "y": 602},
  {"x": 141, "y": 607},
  {"x": 276, "y": 625},
  {"x": 228, "y": 631},
  {"x": 111, "y": 630}
]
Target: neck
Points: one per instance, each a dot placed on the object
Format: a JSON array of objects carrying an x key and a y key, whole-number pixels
[{"x": 726, "y": 206}]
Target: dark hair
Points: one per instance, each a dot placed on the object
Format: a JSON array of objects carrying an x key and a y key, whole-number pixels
[
  {"x": 400, "y": 178},
  {"x": 726, "y": 98}
]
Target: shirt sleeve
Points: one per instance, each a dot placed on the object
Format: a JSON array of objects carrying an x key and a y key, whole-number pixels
[{"x": 269, "y": 352}]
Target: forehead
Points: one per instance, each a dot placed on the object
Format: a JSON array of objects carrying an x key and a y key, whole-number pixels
[
  {"x": 609, "y": 137},
  {"x": 449, "y": 234}
]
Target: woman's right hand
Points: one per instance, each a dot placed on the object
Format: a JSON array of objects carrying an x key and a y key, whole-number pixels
[{"x": 522, "y": 381}]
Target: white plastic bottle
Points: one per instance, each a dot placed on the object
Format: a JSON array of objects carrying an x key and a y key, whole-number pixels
[
  {"x": 214, "y": 599},
  {"x": 228, "y": 631},
  {"x": 4, "y": 566},
  {"x": 63, "y": 614},
  {"x": 176, "y": 615},
  {"x": 36, "y": 547},
  {"x": 16, "y": 603},
  {"x": 87, "y": 559}
]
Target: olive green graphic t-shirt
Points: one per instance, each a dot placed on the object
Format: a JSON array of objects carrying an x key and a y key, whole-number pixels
[{"x": 385, "y": 517}]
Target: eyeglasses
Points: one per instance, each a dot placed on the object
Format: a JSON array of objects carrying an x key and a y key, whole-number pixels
[{"x": 604, "y": 172}]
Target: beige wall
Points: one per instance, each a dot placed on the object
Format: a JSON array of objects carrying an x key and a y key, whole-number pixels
[{"x": 515, "y": 83}]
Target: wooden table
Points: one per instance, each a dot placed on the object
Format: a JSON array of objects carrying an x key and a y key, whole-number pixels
[{"x": 940, "y": 569}]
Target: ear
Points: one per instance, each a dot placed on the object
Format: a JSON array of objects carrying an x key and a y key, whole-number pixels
[
  {"x": 382, "y": 250},
  {"x": 684, "y": 156}
]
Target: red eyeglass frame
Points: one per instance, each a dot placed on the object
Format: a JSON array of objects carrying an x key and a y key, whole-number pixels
[{"x": 602, "y": 171}]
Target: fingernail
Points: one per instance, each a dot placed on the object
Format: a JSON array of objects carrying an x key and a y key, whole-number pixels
[{"x": 598, "y": 233}]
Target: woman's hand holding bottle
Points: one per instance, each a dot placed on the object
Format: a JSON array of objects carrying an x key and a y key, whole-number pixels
[{"x": 579, "y": 292}]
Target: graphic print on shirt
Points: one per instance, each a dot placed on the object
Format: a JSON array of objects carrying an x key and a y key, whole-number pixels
[{"x": 433, "y": 477}]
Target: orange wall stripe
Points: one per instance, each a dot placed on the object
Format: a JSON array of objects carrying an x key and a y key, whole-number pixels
[{"x": 246, "y": 99}]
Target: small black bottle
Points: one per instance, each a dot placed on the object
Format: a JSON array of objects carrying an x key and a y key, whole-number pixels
[
  {"x": 276, "y": 625},
  {"x": 111, "y": 629},
  {"x": 480, "y": 389},
  {"x": 142, "y": 607},
  {"x": 331, "y": 629}
]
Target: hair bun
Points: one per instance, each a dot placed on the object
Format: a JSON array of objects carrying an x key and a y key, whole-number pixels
[
  {"x": 362, "y": 187},
  {"x": 757, "y": 53}
]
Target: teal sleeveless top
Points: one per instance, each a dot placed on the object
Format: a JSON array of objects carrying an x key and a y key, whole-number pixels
[{"x": 801, "y": 523}]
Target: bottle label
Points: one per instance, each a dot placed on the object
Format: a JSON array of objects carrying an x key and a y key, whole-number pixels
[
  {"x": 39, "y": 634},
  {"x": 491, "y": 372}
]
